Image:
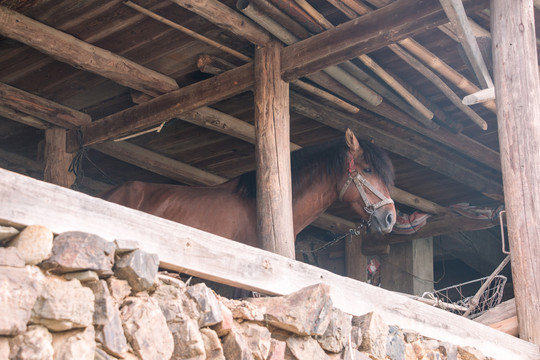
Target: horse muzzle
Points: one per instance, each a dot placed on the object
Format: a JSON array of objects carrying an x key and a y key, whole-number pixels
[{"x": 382, "y": 221}]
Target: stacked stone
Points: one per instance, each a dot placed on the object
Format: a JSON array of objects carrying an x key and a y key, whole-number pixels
[{"x": 77, "y": 296}]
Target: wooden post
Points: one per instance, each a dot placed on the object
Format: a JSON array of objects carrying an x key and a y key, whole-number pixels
[
  {"x": 57, "y": 160},
  {"x": 356, "y": 262},
  {"x": 518, "y": 113},
  {"x": 274, "y": 194}
]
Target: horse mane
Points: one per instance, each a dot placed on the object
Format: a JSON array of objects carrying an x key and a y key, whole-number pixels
[{"x": 324, "y": 160}]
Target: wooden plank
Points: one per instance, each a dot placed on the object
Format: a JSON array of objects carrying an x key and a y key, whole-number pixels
[
  {"x": 272, "y": 153},
  {"x": 68, "y": 49},
  {"x": 57, "y": 160},
  {"x": 457, "y": 16},
  {"x": 41, "y": 108},
  {"x": 360, "y": 36},
  {"x": 165, "y": 107},
  {"x": 518, "y": 114},
  {"x": 27, "y": 201}
]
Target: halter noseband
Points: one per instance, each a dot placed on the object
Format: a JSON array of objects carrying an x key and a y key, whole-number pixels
[{"x": 360, "y": 182}]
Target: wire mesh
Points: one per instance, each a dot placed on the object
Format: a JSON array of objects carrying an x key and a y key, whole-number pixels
[{"x": 456, "y": 298}]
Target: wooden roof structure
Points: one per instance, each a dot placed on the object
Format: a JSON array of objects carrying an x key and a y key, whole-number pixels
[{"x": 173, "y": 79}]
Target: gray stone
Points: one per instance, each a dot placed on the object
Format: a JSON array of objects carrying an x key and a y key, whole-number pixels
[
  {"x": 10, "y": 257},
  {"x": 109, "y": 329},
  {"x": 101, "y": 355},
  {"x": 225, "y": 326},
  {"x": 257, "y": 338},
  {"x": 139, "y": 268},
  {"x": 146, "y": 328},
  {"x": 34, "y": 244},
  {"x": 175, "y": 304},
  {"x": 395, "y": 344},
  {"x": 7, "y": 233},
  {"x": 235, "y": 347},
  {"x": 119, "y": 289},
  {"x": 63, "y": 305},
  {"x": 212, "y": 345},
  {"x": 18, "y": 293},
  {"x": 188, "y": 340},
  {"x": 305, "y": 347},
  {"x": 34, "y": 344},
  {"x": 304, "y": 312},
  {"x": 469, "y": 353},
  {"x": 78, "y": 251},
  {"x": 337, "y": 333},
  {"x": 83, "y": 276},
  {"x": 374, "y": 334},
  {"x": 75, "y": 344},
  {"x": 209, "y": 306}
]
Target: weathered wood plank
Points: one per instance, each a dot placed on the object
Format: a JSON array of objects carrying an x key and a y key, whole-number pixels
[
  {"x": 68, "y": 49},
  {"x": 518, "y": 114},
  {"x": 165, "y": 107},
  {"x": 272, "y": 154},
  {"x": 41, "y": 108},
  {"x": 27, "y": 201}
]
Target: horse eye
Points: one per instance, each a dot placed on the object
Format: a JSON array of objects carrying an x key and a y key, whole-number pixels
[{"x": 367, "y": 170}]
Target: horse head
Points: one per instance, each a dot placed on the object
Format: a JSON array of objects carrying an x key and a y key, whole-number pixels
[{"x": 370, "y": 171}]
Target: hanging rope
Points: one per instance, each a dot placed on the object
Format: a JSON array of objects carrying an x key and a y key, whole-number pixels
[{"x": 76, "y": 166}]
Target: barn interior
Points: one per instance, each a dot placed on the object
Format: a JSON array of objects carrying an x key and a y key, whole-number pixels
[{"x": 75, "y": 63}]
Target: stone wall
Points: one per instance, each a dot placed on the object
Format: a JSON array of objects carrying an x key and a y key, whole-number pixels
[{"x": 77, "y": 296}]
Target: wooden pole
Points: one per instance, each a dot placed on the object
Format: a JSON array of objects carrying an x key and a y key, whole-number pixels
[
  {"x": 57, "y": 160},
  {"x": 518, "y": 113},
  {"x": 274, "y": 190}
]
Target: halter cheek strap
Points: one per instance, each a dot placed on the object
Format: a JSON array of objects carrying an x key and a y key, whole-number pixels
[{"x": 361, "y": 182}]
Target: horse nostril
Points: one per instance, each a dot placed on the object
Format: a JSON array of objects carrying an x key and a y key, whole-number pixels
[{"x": 389, "y": 219}]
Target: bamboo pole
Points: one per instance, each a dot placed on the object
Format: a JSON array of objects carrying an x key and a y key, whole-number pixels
[
  {"x": 426, "y": 114},
  {"x": 398, "y": 50}
]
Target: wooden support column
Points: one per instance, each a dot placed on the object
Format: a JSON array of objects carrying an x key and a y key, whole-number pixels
[
  {"x": 272, "y": 148},
  {"x": 356, "y": 261},
  {"x": 408, "y": 268},
  {"x": 518, "y": 113},
  {"x": 56, "y": 158}
]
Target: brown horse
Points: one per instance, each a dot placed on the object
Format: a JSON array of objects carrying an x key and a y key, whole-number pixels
[{"x": 321, "y": 174}]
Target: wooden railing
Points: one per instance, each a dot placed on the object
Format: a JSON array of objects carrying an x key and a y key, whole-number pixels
[{"x": 25, "y": 201}]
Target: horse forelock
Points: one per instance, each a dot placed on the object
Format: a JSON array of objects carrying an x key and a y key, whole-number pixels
[{"x": 324, "y": 160}]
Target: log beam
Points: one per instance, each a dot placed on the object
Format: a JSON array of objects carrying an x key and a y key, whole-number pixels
[
  {"x": 272, "y": 154},
  {"x": 517, "y": 87},
  {"x": 68, "y": 49}
]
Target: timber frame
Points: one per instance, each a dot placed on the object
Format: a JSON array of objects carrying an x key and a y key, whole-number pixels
[{"x": 323, "y": 74}]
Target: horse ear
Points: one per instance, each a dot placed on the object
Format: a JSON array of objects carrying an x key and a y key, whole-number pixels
[{"x": 352, "y": 143}]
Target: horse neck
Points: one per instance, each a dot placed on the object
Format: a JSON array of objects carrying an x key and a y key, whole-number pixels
[{"x": 312, "y": 201}]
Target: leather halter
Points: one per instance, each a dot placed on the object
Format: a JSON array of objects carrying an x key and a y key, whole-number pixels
[{"x": 361, "y": 182}]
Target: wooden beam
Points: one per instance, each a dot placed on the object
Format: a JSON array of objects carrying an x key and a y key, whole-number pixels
[
  {"x": 165, "y": 107},
  {"x": 517, "y": 86},
  {"x": 180, "y": 248},
  {"x": 360, "y": 36},
  {"x": 57, "y": 160},
  {"x": 417, "y": 202},
  {"x": 272, "y": 154},
  {"x": 36, "y": 106},
  {"x": 226, "y": 18},
  {"x": 68, "y": 49},
  {"x": 435, "y": 226},
  {"x": 458, "y": 17},
  {"x": 23, "y": 118}
]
